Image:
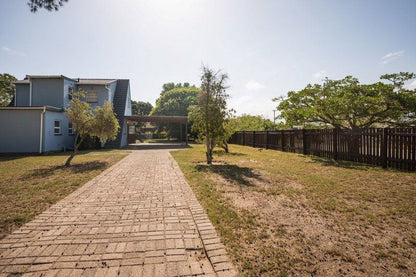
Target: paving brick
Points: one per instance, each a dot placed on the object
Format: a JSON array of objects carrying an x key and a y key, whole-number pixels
[{"x": 137, "y": 218}]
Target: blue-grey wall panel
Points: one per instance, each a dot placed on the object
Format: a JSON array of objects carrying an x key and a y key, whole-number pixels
[
  {"x": 51, "y": 141},
  {"x": 22, "y": 95},
  {"x": 48, "y": 92},
  {"x": 20, "y": 131}
]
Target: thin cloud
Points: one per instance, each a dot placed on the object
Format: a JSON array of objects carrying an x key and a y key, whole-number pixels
[
  {"x": 391, "y": 56},
  {"x": 253, "y": 85},
  {"x": 12, "y": 51},
  {"x": 320, "y": 74}
]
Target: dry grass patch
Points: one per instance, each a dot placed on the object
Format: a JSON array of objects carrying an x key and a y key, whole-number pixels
[
  {"x": 30, "y": 184},
  {"x": 287, "y": 214}
]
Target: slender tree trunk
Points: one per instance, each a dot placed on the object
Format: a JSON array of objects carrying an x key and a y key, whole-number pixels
[
  {"x": 209, "y": 150},
  {"x": 225, "y": 146},
  {"x": 76, "y": 145}
]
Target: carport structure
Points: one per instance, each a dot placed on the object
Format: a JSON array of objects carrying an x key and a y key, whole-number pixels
[{"x": 182, "y": 120}]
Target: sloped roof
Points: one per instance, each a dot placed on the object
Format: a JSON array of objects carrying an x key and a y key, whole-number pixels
[
  {"x": 119, "y": 105},
  {"x": 79, "y": 81}
]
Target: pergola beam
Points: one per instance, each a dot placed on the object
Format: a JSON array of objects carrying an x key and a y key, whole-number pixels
[{"x": 158, "y": 119}]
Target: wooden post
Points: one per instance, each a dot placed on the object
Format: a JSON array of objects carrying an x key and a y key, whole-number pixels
[
  {"x": 186, "y": 132},
  {"x": 384, "y": 144},
  {"x": 304, "y": 142},
  {"x": 283, "y": 140},
  {"x": 254, "y": 138},
  {"x": 335, "y": 143},
  {"x": 267, "y": 139},
  {"x": 244, "y": 137}
]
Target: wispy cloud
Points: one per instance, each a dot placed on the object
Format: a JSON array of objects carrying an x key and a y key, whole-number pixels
[
  {"x": 320, "y": 74},
  {"x": 391, "y": 56},
  {"x": 253, "y": 85},
  {"x": 12, "y": 51}
]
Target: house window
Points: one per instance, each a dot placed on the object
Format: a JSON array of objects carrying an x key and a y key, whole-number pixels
[
  {"x": 70, "y": 129},
  {"x": 92, "y": 96},
  {"x": 57, "y": 128},
  {"x": 70, "y": 93}
]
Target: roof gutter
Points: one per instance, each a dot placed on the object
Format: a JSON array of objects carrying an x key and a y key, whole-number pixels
[
  {"x": 30, "y": 92},
  {"x": 41, "y": 129}
]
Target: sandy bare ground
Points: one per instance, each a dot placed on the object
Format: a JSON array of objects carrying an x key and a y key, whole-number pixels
[{"x": 323, "y": 245}]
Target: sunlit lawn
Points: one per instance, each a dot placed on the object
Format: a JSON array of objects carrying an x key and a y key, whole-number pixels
[
  {"x": 282, "y": 213},
  {"x": 30, "y": 184}
]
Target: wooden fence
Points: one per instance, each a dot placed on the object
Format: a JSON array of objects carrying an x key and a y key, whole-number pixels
[{"x": 386, "y": 147}]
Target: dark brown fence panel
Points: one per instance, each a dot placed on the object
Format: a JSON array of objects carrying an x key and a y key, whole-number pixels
[
  {"x": 386, "y": 147},
  {"x": 401, "y": 148},
  {"x": 320, "y": 142}
]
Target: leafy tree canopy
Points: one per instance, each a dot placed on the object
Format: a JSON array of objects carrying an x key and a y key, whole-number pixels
[
  {"x": 50, "y": 5},
  {"x": 348, "y": 104},
  {"x": 141, "y": 108},
  {"x": 169, "y": 86},
  {"x": 248, "y": 122},
  {"x": 100, "y": 122},
  {"x": 7, "y": 88},
  {"x": 175, "y": 102}
]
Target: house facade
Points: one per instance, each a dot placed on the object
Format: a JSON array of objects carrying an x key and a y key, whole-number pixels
[{"x": 36, "y": 122}]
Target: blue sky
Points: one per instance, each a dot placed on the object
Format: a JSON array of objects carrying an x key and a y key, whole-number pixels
[{"x": 266, "y": 47}]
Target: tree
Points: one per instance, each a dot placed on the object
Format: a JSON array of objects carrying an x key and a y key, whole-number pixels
[
  {"x": 405, "y": 96},
  {"x": 50, "y": 5},
  {"x": 175, "y": 102},
  {"x": 7, "y": 88},
  {"x": 169, "y": 86},
  {"x": 248, "y": 122},
  {"x": 348, "y": 104},
  {"x": 100, "y": 122},
  {"x": 141, "y": 108},
  {"x": 210, "y": 113},
  {"x": 105, "y": 123}
]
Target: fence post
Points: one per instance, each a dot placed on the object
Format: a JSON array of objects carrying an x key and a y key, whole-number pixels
[
  {"x": 244, "y": 137},
  {"x": 384, "y": 147},
  {"x": 335, "y": 143},
  {"x": 283, "y": 140},
  {"x": 254, "y": 138},
  {"x": 304, "y": 142},
  {"x": 267, "y": 139}
]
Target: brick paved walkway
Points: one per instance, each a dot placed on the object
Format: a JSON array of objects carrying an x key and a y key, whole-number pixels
[{"x": 137, "y": 218}]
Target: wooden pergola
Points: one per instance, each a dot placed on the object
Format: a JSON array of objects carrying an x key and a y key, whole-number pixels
[{"x": 161, "y": 119}]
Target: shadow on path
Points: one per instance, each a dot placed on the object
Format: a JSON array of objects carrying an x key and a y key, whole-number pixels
[{"x": 155, "y": 146}]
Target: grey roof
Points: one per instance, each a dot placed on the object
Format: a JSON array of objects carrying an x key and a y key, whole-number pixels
[
  {"x": 119, "y": 104},
  {"x": 48, "y": 108},
  {"x": 79, "y": 81},
  {"x": 48, "y": 77},
  {"x": 94, "y": 81},
  {"x": 21, "y": 82}
]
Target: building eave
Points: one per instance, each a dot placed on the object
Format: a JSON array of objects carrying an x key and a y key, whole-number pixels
[{"x": 48, "y": 108}]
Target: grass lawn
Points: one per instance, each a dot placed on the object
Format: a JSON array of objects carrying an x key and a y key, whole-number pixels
[
  {"x": 287, "y": 214},
  {"x": 30, "y": 184}
]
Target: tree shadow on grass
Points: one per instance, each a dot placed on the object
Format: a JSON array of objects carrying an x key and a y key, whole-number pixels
[
  {"x": 342, "y": 164},
  {"x": 232, "y": 173},
  {"x": 220, "y": 153},
  {"x": 75, "y": 168}
]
